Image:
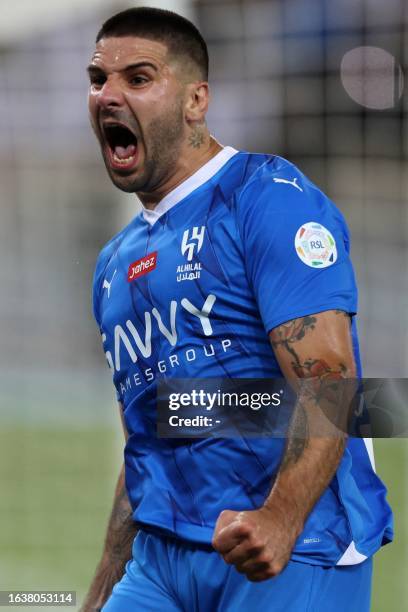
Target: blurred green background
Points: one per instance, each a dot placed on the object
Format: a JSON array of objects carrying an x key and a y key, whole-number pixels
[{"x": 57, "y": 487}]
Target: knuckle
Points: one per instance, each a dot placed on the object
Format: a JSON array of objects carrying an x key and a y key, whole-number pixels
[
  {"x": 253, "y": 541},
  {"x": 270, "y": 574},
  {"x": 257, "y": 546},
  {"x": 227, "y": 515},
  {"x": 275, "y": 568},
  {"x": 248, "y": 531},
  {"x": 244, "y": 533},
  {"x": 265, "y": 559}
]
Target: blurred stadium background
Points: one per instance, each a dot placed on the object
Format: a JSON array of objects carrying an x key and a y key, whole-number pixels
[{"x": 317, "y": 81}]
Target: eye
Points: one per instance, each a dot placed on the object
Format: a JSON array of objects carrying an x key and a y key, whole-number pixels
[
  {"x": 138, "y": 79},
  {"x": 97, "y": 80}
]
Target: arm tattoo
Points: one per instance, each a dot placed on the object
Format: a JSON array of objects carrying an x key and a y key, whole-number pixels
[
  {"x": 343, "y": 313},
  {"x": 122, "y": 529},
  {"x": 320, "y": 387},
  {"x": 289, "y": 333},
  {"x": 318, "y": 369},
  {"x": 297, "y": 440},
  {"x": 117, "y": 551}
]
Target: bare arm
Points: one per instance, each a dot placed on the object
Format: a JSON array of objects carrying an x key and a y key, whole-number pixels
[
  {"x": 313, "y": 350},
  {"x": 118, "y": 546}
]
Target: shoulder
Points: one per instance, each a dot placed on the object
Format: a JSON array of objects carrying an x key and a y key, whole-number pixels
[
  {"x": 106, "y": 254},
  {"x": 278, "y": 187},
  {"x": 238, "y": 172},
  {"x": 279, "y": 180}
]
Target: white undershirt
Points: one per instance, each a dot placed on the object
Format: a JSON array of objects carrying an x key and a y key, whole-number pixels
[{"x": 201, "y": 176}]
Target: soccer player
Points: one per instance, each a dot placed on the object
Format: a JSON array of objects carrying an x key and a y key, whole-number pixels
[{"x": 237, "y": 267}]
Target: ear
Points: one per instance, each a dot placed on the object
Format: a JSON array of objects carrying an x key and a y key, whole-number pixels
[{"x": 197, "y": 101}]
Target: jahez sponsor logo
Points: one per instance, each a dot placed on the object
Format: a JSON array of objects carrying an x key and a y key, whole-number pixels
[{"x": 142, "y": 266}]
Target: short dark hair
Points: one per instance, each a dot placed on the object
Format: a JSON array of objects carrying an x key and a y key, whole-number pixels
[{"x": 180, "y": 35}]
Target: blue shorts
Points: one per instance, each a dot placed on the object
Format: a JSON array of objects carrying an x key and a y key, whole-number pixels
[{"x": 169, "y": 575}]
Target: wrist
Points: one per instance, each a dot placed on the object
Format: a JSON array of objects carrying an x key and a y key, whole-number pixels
[{"x": 286, "y": 512}]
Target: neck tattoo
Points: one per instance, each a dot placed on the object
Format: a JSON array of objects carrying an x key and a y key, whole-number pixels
[{"x": 196, "y": 138}]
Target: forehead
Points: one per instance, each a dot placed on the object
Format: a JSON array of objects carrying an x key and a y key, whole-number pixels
[{"x": 114, "y": 53}]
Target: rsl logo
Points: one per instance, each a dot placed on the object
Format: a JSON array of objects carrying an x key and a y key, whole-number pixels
[
  {"x": 192, "y": 241},
  {"x": 315, "y": 245},
  {"x": 191, "y": 244}
]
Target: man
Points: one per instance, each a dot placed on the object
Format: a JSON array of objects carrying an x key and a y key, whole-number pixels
[{"x": 222, "y": 524}]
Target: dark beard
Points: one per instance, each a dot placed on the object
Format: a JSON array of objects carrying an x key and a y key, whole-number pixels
[{"x": 163, "y": 138}]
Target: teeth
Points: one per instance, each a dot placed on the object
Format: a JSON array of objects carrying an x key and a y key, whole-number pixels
[{"x": 121, "y": 160}]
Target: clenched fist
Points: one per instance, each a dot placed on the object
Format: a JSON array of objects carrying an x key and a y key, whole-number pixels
[{"x": 257, "y": 542}]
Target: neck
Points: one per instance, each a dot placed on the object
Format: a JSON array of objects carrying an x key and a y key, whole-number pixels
[{"x": 196, "y": 154}]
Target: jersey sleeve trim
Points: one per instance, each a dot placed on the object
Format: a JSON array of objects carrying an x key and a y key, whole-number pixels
[{"x": 307, "y": 311}]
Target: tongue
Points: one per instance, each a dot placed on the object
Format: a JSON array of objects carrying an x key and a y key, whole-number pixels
[{"x": 124, "y": 152}]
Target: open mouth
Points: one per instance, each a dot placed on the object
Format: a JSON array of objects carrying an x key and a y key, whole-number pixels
[{"x": 122, "y": 145}]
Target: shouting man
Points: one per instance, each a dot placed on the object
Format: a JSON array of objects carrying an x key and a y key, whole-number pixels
[{"x": 236, "y": 267}]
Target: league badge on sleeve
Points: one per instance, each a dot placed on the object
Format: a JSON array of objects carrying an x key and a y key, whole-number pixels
[{"x": 315, "y": 245}]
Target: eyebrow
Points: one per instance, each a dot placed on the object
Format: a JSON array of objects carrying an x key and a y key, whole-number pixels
[{"x": 93, "y": 69}]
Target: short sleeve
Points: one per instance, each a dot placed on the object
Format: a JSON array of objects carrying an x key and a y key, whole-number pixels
[
  {"x": 295, "y": 244},
  {"x": 96, "y": 289},
  {"x": 99, "y": 275},
  {"x": 96, "y": 293}
]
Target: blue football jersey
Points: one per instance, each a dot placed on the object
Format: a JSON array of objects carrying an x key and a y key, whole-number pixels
[{"x": 191, "y": 290}]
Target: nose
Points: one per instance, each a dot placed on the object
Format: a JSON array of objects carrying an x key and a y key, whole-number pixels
[{"x": 110, "y": 95}]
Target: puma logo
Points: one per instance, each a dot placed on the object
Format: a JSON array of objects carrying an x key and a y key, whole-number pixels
[
  {"x": 107, "y": 285},
  {"x": 293, "y": 183}
]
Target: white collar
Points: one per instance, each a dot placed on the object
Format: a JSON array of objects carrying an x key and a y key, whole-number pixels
[{"x": 194, "y": 181}]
